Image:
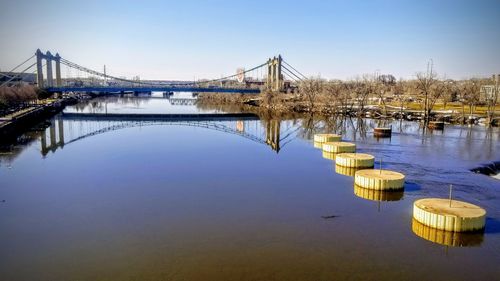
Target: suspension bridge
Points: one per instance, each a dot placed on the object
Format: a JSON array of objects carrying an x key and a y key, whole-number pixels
[{"x": 57, "y": 74}]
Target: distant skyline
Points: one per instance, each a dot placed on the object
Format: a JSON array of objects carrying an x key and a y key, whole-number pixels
[{"x": 184, "y": 40}]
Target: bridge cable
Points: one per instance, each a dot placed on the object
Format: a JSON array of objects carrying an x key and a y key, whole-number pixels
[
  {"x": 305, "y": 77},
  {"x": 18, "y": 75},
  {"x": 284, "y": 67},
  {"x": 82, "y": 68},
  {"x": 230, "y": 76},
  {"x": 289, "y": 77},
  {"x": 90, "y": 71},
  {"x": 12, "y": 70}
]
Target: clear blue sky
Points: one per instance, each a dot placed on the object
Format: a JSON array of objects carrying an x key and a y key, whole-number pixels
[{"x": 186, "y": 39}]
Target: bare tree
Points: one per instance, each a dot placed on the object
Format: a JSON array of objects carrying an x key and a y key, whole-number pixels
[
  {"x": 448, "y": 92},
  {"x": 380, "y": 89},
  {"x": 310, "y": 89},
  {"x": 362, "y": 88},
  {"x": 435, "y": 94},
  {"x": 492, "y": 99},
  {"x": 334, "y": 94},
  {"x": 425, "y": 83},
  {"x": 470, "y": 95},
  {"x": 398, "y": 90},
  {"x": 15, "y": 95},
  {"x": 347, "y": 96}
]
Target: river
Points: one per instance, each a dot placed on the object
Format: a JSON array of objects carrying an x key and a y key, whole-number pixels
[{"x": 252, "y": 199}]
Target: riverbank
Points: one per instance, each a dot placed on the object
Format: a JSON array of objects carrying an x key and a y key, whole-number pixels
[
  {"x": 295, "y": 104},
  {"x": 16, "y": 123}
]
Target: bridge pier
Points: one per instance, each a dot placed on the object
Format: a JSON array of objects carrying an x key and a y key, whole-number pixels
[
  {"x": 39, "y": 68},
  {"x": 57, "y": 59},
  {"x": 50, "y": 80}
]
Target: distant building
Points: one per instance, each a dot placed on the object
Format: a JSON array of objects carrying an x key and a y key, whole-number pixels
[
  {"x": 488, "y": 92},
  {"x": 24, "y": 78}
]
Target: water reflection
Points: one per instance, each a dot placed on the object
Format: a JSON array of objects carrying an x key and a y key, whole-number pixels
[
  {"x": 66, "y": 129},
  {"x": 155, "y": 103},
  {"x": 377, "y": 195},
  {"x": 9, "y": 152},
  {"x": 347, "y": 171},
  {"x": 447, "y": 238},
  {"x": 329, "y": 155},
  {"x": 318, "y": 145},
  {"x": 214, "y": 198}
]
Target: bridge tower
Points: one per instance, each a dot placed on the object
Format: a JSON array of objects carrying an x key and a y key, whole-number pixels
[
  {"x": 39, "y": 67},
  {"x": 48, "y": 57},
  {"x": 50, "y": 79},
  {"x": 274, "y": 76},
  {"x": 57, "y": 59}
]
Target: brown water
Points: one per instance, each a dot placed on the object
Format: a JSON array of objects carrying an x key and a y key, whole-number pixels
[{"x": 214, "y": 200}]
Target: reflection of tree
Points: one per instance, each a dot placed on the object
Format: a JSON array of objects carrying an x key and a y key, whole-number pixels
[
  {"x": 9, "y": 151},
  {"x": 308, "y": 127},
  {"x": 361, "y": 128},
  {"x": 99, "y": 104},
  {"x": 337, "y": 124}
]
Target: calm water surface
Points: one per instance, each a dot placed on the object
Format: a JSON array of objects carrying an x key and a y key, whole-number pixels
[{"x": 235, "y": 200}]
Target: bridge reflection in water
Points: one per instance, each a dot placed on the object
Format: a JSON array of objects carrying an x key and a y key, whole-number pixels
[{"x": 72, "y": 127}]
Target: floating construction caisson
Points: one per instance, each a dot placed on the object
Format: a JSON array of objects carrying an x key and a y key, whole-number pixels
[
  {"x": 339, "y": 147},
  {"x": 379, "y": 179},
  {"x": 436, "y": 125},
  {"x": 355, "y": 160},
  {"x": 382, "y": 132},
  {"x": 449, "y": 215},
  {"x": 320, "y": 138}
]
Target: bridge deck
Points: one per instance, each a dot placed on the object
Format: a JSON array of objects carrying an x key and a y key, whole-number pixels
[
  {"x": 161, "y": 117},
  {"x": 110, "y": 90}
]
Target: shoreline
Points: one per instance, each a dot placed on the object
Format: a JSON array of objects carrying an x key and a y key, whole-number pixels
[
  {"x": 289, "y": 104},
  {"x": 18, "y": 124}
]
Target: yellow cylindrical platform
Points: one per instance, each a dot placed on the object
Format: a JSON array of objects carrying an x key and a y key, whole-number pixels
[
  {"x": 347, "y": 171},
  {"x": 339, "y": 147},
  {"x": 377, "y": 195},
  {"x": 327, "y": 137},
  {"x": 447, "y": 238},
  {"x": 355, "y": 160},
  {"x": 460, "y": 217},
  {"x": 379, "y": 179}
]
